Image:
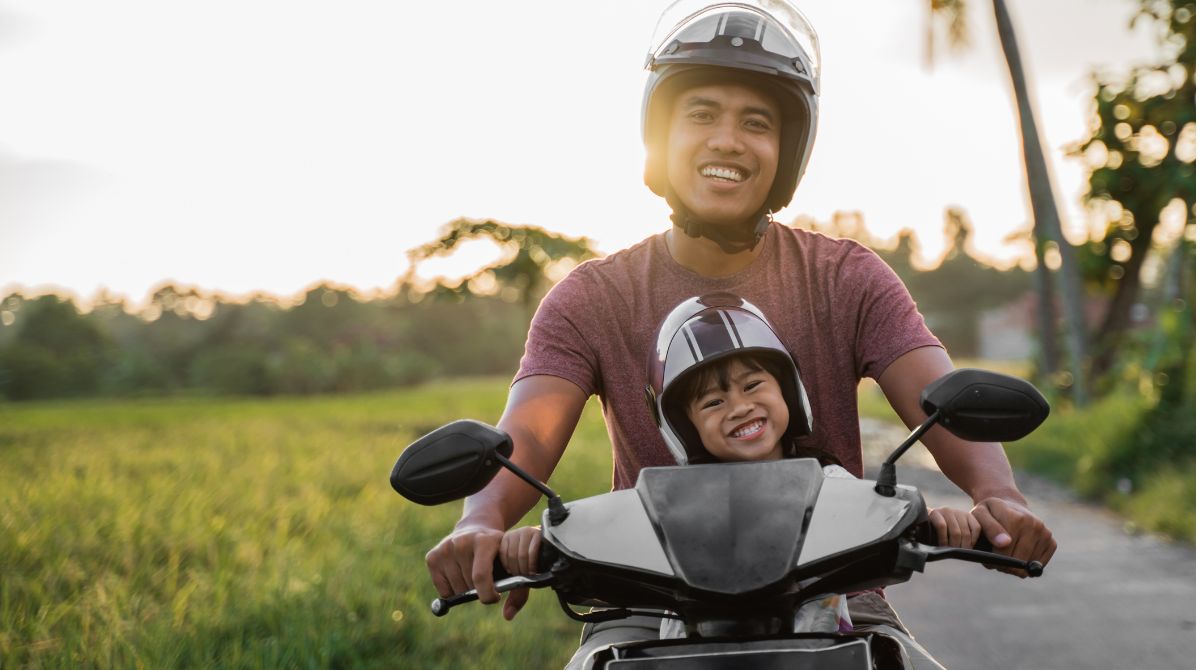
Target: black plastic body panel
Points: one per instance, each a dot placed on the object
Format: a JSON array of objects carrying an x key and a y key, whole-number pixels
[
  {"x": 731, "y": 527},
  {"x": 781, "y": 654}
]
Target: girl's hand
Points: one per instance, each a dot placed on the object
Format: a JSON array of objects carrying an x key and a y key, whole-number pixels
[
  {"x": 519, "y": 550},
  {"x": 955, "y": 528}
]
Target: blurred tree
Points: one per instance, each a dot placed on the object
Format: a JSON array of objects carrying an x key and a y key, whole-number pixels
[
  {"x": 1048, "y": 233},
  {"x": 10, "y": 311},
  {"x": 1142, "y": 153},
  {"x": 173, "y": 333},
  {"x": 55, "y": 352},
  {"x": 953, "y": 294},
  {"x": 530, "y": 255}
]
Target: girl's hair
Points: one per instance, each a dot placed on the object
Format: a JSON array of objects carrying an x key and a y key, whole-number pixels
[{"x": 698, "y": 381}]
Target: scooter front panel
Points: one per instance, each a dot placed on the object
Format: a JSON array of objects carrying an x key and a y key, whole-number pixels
[
  {"x": 611, "y": 528},
  {"x": 849, "y": 514}
]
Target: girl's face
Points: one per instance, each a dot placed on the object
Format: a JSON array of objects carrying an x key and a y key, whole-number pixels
[{"x": 744, "y": 422}]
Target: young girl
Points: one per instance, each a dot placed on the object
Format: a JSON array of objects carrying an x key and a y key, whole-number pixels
[{"x": 724, "y": 388}]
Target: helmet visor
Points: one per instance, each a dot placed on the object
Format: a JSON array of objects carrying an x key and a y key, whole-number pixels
[{"x": 777, "y": 25}]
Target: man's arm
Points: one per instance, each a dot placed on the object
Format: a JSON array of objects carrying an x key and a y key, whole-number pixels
[
  {"x": 981, "y": 470},
  {"x": 540, "y": 416}
]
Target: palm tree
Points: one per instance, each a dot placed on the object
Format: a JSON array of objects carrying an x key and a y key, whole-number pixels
[{"x": 1047, "y": 226}]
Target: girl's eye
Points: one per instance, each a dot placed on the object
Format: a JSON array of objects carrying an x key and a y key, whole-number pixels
[
  {"x": 713, "y": 402},
  {"x": 752, "y": 385}
]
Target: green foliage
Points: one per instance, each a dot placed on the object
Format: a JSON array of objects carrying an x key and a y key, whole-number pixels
[
  {"x": 332, "y": 341},
  {"x": 1126, "y": 451},
  {"x": 53, "y": 353},
  {"x": 256, "y": 533},
  {"x": 1142, "y": 158},
  {"x": 530, "y": 252}
]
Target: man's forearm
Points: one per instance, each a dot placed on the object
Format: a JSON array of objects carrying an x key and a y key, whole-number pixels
[
  {"x": 500, "y": 505},
  {"x": 980, "y": 469}
]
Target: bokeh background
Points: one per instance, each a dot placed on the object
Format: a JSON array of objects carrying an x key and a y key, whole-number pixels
[{"x": 249, "y": 250}]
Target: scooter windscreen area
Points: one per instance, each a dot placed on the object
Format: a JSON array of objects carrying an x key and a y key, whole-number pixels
[{"x": 731, "y": 528}]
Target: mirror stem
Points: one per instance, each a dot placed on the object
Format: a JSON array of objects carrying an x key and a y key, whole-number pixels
[
  {"x": 558, "y": 511},
  {"x": 886, "y": 484}
]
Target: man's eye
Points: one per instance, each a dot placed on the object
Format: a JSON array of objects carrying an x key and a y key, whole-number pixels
[
  {"x": 760, "y": 126},
  {"x": 701, "y": 116}
]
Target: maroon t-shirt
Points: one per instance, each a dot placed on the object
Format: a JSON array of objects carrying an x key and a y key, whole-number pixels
[{"x": 836, "y": 305}]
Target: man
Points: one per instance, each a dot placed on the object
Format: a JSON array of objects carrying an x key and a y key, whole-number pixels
[{"x": 729, "y": 116}]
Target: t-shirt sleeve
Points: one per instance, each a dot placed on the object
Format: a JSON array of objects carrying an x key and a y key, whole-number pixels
[
  {"x": 555, "y": 344},
  {"x": 887, "y": 323}
]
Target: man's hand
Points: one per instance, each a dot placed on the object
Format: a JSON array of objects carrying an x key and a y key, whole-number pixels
[
  {"x": 1015, "y": 531},
  {"x": 463, "y": 561},
  {"x": 540, "y": 416}
]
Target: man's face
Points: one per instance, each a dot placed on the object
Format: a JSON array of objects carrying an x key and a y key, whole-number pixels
[{"x": 723, "y": 150}]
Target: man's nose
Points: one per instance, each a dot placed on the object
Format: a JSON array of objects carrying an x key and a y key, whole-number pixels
[{"x": 726, "y": 138}]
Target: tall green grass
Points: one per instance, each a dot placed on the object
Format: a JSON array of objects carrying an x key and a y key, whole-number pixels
[
  {"x": 247, "y": 534},
  {"x": 263, "y": 533}
]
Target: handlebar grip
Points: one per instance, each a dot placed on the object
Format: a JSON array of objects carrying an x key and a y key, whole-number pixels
[
  {"x": 1034, "y": 568},
  {"x": 440, "y": 606},
  {"x": 504, "y": 582}
]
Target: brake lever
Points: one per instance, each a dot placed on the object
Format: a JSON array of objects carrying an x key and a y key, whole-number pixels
[
  {"x": 1033, "y": 568},
  {"x": 440, "y": 606}
]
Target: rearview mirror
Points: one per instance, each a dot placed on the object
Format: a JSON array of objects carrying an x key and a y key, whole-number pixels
[
  {"x": 450, "y": 463},
  {"x": 985, "y": 406}
]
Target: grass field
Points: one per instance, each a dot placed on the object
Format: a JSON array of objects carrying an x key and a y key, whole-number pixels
[{"x": 247, "y": 533}]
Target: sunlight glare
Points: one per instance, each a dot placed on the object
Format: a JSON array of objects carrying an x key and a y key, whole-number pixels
[{"x": 466, "y": 259}]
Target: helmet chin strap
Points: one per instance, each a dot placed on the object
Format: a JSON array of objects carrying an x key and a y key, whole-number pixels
[{"x": 731, "y": 238}]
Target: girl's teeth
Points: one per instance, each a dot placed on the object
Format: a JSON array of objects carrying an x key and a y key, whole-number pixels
[{"x": 752, "y": 428}]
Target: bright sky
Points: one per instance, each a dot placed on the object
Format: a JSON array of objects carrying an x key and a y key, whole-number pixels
[{"x": 241, "y": 145}]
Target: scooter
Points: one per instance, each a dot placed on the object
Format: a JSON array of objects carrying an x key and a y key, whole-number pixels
[{"x": 733, "y": 550}]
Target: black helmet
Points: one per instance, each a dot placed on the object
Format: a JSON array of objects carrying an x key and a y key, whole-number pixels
[
  {"x": 700, "y": 331},
  {"x": 767, "y": 44}
]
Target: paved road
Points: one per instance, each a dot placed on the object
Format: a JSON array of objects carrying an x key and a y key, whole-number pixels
[{"x": 1108, "y": 599}]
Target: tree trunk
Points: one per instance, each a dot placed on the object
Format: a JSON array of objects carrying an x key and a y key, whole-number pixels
[
  {"x": 1117, "y": 317},
  {"x": 1048, "y": 359},
  {"x": 1046, "y": 223}
]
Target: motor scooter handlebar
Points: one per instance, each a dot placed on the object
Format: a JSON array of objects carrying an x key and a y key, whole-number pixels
[
  {"x": 440, "y": 606},
  {"x": 503, "y": 580},
  {"x": 982, "y": 552},
  {"x": 984, "y": 556}
]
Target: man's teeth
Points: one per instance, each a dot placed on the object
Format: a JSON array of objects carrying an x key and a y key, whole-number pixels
[
  {"x": 747, "y": 430},
  {"x": 722, "y": 173}
]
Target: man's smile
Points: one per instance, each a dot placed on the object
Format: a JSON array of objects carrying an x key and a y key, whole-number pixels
[{"x": 727, "y": 173}]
